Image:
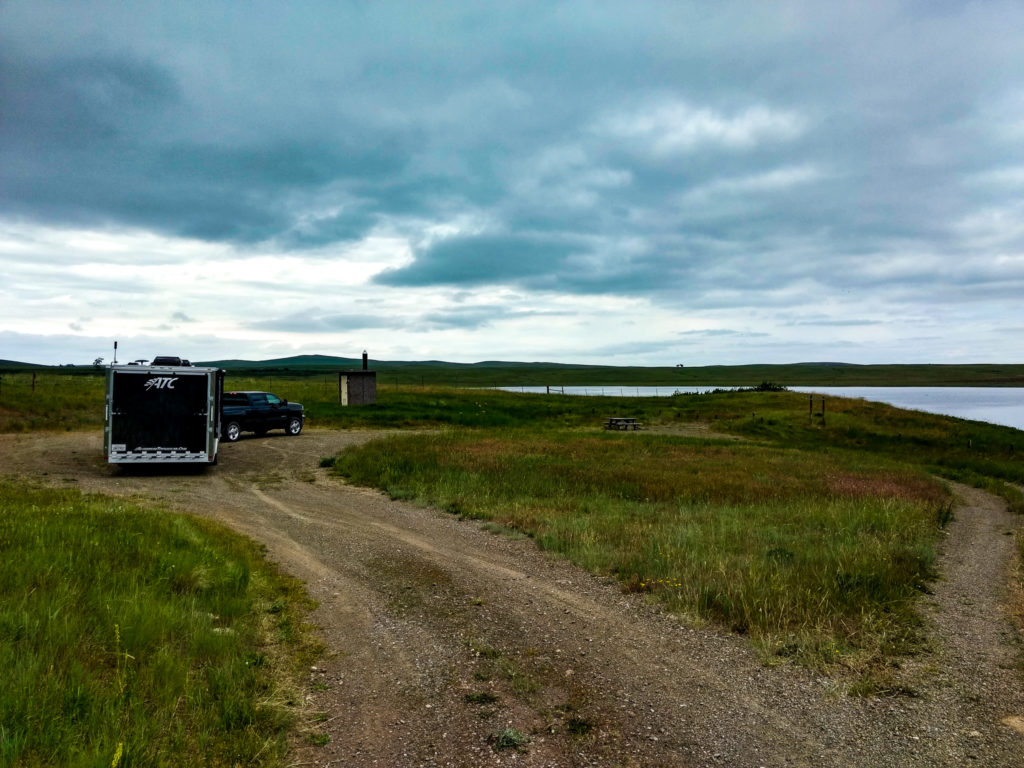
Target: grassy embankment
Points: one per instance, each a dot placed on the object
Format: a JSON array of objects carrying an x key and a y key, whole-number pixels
[{"x": 129, "y": 637}]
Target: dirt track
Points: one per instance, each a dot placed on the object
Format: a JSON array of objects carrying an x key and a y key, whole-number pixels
[{"x": 442, "y": 634}]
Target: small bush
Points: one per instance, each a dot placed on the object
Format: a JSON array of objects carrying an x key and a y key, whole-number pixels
[{"x": 509, "y": 738}]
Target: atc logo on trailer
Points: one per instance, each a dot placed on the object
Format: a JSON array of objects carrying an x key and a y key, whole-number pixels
[
  {"x": 164, "y": 413},
  {"x": 161, "y": 382}
]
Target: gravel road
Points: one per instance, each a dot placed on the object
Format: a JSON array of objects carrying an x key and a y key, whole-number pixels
[{"x": 442, "y": 636}]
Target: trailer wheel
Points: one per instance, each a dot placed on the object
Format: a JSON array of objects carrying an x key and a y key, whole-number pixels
[
  {"x": 232, "y": 432},
  {"x": 294, "y": 426}
]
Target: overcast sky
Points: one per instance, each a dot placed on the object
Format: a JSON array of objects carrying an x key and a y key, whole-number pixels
[{"x": 608, "y": 182}]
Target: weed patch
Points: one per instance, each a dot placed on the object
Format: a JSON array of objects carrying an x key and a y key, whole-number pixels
[{"x": 509, "y": 738}]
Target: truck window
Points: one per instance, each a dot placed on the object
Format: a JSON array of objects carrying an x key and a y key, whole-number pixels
[{"x": 273, "y": 399}]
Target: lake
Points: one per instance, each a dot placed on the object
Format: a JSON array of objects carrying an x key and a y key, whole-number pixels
[{"x": 996, "y": 405}]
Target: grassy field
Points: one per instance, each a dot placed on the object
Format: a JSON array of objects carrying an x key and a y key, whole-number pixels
[
  {"x": 974, "y": 452},
  {"x": 129, "y": 637},
  {"x": 970, "y": 451},
  {"x": 814, "y": 535}
]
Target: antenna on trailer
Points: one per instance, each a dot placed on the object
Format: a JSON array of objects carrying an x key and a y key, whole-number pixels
[{"x": 115, "y": 352}]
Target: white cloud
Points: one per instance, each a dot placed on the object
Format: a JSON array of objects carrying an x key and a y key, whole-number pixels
[
  {"x": 777, "y": 180},
  {"x": 995, "y": 227},
  {"x": 676, "y": 127},
  {"x": 565, "y": 176},
  {"x": 1011, "y": 176}
]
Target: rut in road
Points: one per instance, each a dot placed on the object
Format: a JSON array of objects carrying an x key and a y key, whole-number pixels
[{"x": 443, "y": 635}]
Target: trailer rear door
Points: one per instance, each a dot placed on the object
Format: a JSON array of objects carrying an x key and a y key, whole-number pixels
[{"x": 163, "y": 415}]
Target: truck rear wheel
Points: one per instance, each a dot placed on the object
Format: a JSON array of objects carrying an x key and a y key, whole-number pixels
[
  {"x": 294, "y": 426},
  {"x": 232, "y": 431}
]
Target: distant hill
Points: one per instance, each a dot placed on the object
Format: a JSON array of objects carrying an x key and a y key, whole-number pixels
[
  {"x": 12, "y": 364},
  {"x": 342, "y": 363},
  {"x": 296, "y": 361}
]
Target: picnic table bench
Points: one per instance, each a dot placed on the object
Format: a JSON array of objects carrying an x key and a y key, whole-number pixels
[{"x": 622, "y": 422}]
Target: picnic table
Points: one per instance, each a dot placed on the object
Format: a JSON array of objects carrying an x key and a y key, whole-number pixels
[{"x": 622, "y": 423}]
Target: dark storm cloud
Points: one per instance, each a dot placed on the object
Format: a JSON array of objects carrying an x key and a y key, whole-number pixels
[
  {"x": 71, "y": 104},
  {"x": 82, "y": 144},
  {"x": 704, "y": 155}
]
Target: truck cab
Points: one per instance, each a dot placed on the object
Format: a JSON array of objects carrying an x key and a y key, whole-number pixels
[{"x": 259, "y": 412}]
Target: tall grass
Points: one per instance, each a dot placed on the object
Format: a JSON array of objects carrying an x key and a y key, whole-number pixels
[
  {"x": 130, "y": 637},
  {"x": 815, "y": 555},
  {"x": 54, "y": 402},
  {"x": 974, "y": 452}
]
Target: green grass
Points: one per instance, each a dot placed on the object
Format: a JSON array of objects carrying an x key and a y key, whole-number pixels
[
  {"x": 133, "y": 637},
  {"x": 814, "y": 555},
  {"x": 54, "y": 402},
  {"x": 509, "y": 738}
]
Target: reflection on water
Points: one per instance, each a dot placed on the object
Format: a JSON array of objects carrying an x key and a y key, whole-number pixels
[{"x": 996, "y": 405}]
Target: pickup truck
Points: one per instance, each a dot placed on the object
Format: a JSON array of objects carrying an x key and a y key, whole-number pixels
[{"x": 258, "y": 412}]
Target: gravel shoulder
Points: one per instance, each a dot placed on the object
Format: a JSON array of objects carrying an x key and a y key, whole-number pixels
[{"x": 441, "y": 635}]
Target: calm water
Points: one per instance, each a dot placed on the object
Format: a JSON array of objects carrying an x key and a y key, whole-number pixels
[{"x": 996, "y": 405}]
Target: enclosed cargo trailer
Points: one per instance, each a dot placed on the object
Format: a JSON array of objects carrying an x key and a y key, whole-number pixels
[{"x": 163, "y": 414}]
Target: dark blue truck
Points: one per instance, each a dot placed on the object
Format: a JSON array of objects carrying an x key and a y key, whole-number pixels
[{"x": 258, "y": 412}]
